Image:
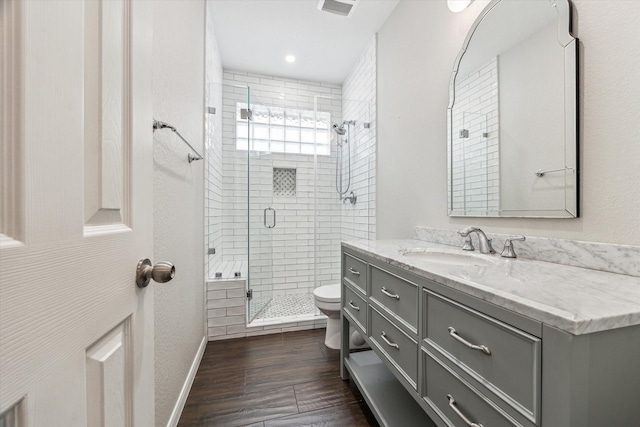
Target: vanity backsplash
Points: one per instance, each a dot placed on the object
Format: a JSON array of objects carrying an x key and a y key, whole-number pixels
[{"x": 620, "y": 259}]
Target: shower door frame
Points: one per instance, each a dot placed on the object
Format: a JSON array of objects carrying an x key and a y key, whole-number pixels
[
  {"x": 253, "y": 219},
  {"x": 251, "y": 223}
]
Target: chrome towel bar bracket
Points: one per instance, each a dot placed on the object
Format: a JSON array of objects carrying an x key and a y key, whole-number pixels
[{"x": 157, "y": 124}]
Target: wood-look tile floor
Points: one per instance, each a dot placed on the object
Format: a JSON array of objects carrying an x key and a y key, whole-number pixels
[{"x": 288, "y": 379}]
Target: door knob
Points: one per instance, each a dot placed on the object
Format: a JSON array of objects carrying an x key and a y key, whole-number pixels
[{"x": 161, "y": 272}]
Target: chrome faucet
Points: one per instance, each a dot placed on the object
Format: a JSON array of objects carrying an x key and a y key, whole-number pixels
[{"x": 483, "y": 241}]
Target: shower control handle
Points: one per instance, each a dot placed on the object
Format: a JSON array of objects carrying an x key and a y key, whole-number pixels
[{"x": 265, "y": 218}]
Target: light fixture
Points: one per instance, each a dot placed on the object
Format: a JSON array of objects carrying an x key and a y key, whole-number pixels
[
  {"x": 458, "y": 5},
  {"x": 290, "y": 58}
]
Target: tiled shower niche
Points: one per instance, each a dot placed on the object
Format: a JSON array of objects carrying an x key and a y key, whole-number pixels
[{"x": 284, "y": 182}]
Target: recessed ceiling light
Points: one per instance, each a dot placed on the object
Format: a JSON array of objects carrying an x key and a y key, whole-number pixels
[
  {"x": 458, "y": 5},
  {"x": 290, "y": 58}
]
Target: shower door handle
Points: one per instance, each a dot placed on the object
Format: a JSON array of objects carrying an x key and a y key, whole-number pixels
[{"x": 265, "y": 218}]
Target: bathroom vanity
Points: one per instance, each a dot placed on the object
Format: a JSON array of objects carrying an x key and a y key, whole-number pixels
[{"x": 478, "y": 340}]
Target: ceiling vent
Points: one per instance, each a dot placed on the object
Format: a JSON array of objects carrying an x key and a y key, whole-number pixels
[{"x": 339, "y": 7}]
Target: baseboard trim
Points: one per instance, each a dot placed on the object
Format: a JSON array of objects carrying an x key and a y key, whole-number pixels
[{"x": 186, "y": 387}]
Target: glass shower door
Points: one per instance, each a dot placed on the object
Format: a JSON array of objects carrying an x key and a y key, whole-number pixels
[{"x": 262, "y": 215}]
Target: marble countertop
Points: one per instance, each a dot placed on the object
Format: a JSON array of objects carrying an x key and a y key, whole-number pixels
[{"x": 573, "y": 299}]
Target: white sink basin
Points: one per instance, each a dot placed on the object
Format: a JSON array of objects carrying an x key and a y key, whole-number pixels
[{"x": 448, "y": 257}]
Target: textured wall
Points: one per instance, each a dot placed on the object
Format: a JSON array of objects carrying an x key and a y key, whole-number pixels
[
  {"x": 416, "y": 50},
  {"x": 178, "y": 98}
]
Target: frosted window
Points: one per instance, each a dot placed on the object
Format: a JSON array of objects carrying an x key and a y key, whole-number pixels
[
  {"x": 283, "y": 130},
  {"x": 306, "y": 135},
  {"x": 292, "y": 134}
]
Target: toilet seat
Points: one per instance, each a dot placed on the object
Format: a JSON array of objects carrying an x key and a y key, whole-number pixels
[{"x": 327, "y": 293}]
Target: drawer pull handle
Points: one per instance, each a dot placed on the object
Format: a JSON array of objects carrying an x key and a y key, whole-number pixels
[
  {"x": 454, "y": 408},
  {"x": 389, "y": 294},
  {"x": 454, "y": 334},
  {"x": 389, "y": 343},
  {"x": 352, "y": 305},
  {"x": 354, "y": 272}
]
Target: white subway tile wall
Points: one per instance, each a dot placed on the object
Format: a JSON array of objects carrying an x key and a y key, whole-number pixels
[
  {"x": 475, "y": 153},
  {"x": 359, "y": 103},
  {"x": 284, "y": 260}
]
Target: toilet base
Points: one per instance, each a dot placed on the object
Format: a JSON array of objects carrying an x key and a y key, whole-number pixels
[{"x": 332, "y": 337}]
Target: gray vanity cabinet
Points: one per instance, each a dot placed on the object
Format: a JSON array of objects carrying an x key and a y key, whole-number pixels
[{"x": 440, "y": 357}]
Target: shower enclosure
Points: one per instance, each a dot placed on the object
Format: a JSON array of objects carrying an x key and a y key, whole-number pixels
[{"x": 282, "y": 219}]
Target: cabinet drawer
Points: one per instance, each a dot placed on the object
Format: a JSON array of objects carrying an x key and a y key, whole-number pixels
[
  {"x": 448, "y": 393},
  {"x": 509, "y": 363},
  {"x": 396, "y": 294},
  {"x": 400, "y": 349},
  {"x": 356, "y": 271},
  {"x": 355, "y": 306}
]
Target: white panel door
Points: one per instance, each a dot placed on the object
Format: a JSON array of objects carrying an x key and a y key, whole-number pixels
[{"x": 76, "y": 333}]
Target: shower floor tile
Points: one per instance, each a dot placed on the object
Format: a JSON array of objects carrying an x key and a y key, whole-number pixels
[{"x": 286, "y": 306}]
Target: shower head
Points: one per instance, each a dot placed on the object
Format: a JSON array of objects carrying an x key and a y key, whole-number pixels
[{"x": 340, "y": 130}]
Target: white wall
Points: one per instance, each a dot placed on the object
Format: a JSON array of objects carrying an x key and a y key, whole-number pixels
[
  {"x": 416, "y": 50},
  {"x": 178, "y": 98}
]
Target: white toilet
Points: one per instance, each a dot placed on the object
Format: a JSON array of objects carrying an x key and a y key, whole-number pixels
[{"x": 327, "y": 300}]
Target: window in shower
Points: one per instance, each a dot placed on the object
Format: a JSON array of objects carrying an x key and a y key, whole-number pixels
[{"x": 284, "y": 130}]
